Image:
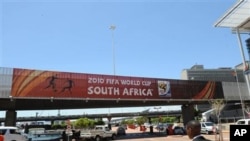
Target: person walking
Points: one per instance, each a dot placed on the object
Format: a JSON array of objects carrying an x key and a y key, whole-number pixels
[{"x": 193, "y": 129}]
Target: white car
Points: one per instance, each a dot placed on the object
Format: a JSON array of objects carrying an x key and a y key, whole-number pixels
[
  {"x": 98, "y": 133},
  {"x": 243, "y": 122},
  {"x": 11, "y": 134},
  {"x": 208, "y": 128}
]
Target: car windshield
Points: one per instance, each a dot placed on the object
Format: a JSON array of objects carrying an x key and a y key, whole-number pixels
[{"x": 209, "y": 124}]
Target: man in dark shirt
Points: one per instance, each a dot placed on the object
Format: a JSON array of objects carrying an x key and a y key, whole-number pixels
[{"x": 193, "y": 129}]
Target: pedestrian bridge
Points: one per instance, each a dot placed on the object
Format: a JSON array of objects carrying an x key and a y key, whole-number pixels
[
  {"x": 27, "y": 89},
  {"x": 98, "y": 116}
]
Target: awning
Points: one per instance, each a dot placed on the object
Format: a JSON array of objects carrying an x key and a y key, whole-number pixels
[{"x": 237, "y": 17}]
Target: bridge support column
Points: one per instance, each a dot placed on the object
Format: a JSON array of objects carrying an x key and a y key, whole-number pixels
[
  {"x": 10, "y": 118},
  {"x": 52, "y": 122},
  {"x": 187, "y": 111},
  {"x": 151, "y": 129}
]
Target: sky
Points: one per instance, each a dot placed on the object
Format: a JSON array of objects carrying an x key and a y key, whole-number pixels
[{"x": 152, "y": 38}]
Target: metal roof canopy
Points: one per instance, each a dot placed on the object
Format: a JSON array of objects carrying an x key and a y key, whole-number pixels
[{"x": 238, "y": 17}]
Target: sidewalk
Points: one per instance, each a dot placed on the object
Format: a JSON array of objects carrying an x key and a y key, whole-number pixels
[{"x": 226, "y": 127}]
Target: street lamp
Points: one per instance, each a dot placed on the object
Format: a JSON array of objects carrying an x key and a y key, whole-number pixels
[
  {"x": 245, "y": 64},
  {"x": 112, "y": 28},
  {"x": 241, "y": 101}
]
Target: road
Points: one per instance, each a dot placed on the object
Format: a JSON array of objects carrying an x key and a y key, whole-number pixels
[{"x": 136, "y": 135}]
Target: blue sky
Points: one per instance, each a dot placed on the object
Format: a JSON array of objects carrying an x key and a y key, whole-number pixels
[{"x": 153, "y": 38}]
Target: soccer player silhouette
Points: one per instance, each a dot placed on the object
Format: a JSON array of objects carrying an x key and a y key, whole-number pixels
[
  {"x": 68, "y": 86},
  {"x": 52, "y": 82}
]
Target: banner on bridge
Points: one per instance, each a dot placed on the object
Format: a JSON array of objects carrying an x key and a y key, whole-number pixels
[{"x": 47, "y": 84}]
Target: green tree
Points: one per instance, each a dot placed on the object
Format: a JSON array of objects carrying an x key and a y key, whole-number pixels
[
  {"x": 141, "y": 120},
  {"x": 130, "y": 121},
  {"x": 99, "y": 122},
  {"x": 124, "y": 122},
  {"x": 84, "y": 123}
]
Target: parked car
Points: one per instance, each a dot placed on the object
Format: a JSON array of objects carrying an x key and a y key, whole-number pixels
[
  {"x": 162, "y": 126},
  {"x": 36, "y": 134},
  {"x": 243, "y": 122},
  {"x": 179, "y": 130},
  {"x": 120, "y": 131},
  {"x": 124, "y": 126},
  {"x": 165, "y": 128},
  {"x": 11, "y": 134},
  {"x": 98, "y": 133},
  {"x": 147, "y": 125},
  {"x": 208, "y": 128}
]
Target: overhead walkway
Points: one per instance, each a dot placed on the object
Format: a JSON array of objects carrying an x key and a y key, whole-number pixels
[{"x": 26, "y": 89}]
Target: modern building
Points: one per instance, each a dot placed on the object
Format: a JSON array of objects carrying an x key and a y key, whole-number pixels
[
  {"x": 226, "y": 74},
  {"x": 231, "y": 76}
]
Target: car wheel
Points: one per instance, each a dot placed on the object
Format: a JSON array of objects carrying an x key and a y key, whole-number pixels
[
  {"x": 113, "y": 137},
  {"x": 98, "y": 138}
]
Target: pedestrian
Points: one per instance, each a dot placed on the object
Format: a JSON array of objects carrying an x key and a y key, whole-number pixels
[{"x": 193, "y": 129}]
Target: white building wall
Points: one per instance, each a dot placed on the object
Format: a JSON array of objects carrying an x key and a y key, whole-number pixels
[
  {"x": 184, "y": 75},
  {"x": 233, "y": 91},
  {"x": 5, "y": 82}
]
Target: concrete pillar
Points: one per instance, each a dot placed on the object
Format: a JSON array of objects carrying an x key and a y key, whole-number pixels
[
  {"x": 10, "y": 118},
  {"x": 52, "y": 122},
  {"x": 187, "y": 111},
  {"x": 151, "y": 128}
]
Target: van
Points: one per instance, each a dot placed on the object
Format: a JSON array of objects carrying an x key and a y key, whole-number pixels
[{"x": 243, "y": 122}]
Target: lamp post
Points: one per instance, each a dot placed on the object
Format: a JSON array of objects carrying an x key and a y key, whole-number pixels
[
  {"x": 112, "y": 28},
  {"x": 241, "y": 101},
  {"x": 246, "y": 72},
  {"x": 246, "y": 65}
]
